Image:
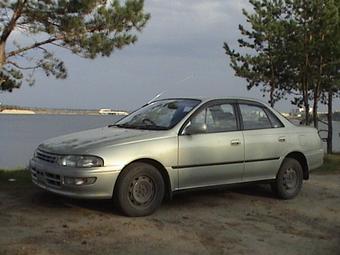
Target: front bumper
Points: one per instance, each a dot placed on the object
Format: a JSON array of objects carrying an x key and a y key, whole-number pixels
[{"x": 51, "y": 177}]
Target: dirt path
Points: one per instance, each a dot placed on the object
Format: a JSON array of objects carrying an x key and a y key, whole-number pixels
[{"x": 247, "y": 220}]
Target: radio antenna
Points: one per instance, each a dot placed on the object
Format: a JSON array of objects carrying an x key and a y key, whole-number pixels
[
  {"x": 176, "y": 83},
  {"x": 157, "y": 96}
]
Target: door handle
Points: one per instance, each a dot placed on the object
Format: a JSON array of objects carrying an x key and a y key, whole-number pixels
[
  {"x": 282, "y": 139},
  {"x": 235, "y": 142}
]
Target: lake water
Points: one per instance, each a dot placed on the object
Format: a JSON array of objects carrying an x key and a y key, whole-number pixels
[{"x": 21, "y": 134}]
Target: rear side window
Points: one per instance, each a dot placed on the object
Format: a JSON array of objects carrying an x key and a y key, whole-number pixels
[
  {"x": 276, "y": 123},
  {"x": 254, "y": 117}
]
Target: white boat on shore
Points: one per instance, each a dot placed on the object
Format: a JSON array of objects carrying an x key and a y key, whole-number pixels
[{"x": 106, "y": 111}]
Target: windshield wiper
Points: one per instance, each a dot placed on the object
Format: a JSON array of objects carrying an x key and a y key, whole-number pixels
[
  {"x": 144, "y": 127},
  {"x": 152, "y": 127},
  {"x": 124, "y": 126}
]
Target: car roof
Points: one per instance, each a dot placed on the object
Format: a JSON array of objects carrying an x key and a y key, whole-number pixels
[{"x": 207, "y": 99}]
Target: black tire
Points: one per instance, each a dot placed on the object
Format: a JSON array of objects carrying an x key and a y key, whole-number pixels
[
  {"x": 289, "y": 179},
  {"x": 139, "y": 190}
]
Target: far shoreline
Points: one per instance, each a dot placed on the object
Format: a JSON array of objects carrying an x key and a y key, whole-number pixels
[{"x": 42, "y": 111}]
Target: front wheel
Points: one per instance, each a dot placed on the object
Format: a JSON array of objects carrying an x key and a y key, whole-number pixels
[
  {"x": 139, "y": 190},
  {"x": 289, "y": 179}
]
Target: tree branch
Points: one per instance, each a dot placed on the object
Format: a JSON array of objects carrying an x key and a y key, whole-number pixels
[
  {"x": 21, "y": 67},
  {"x": 35, "y": 45}
]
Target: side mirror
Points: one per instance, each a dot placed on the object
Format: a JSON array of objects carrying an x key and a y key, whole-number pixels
[{"x": 192, "y": 129}]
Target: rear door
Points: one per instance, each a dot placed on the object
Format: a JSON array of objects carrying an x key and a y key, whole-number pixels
[
  {"x": 214, "y": 156},
  {"x": 265, "y": 142}
]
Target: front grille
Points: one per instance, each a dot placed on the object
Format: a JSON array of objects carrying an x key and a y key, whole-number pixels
[
  {"x": 46, "y": 156},
  {"x": 45, "y": 178},
  {"x": 53, "y": 179}
]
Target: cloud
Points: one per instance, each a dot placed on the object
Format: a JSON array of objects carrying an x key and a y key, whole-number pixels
[
  {"x": 183, "y": 38},
  {"x": 191, "y": 28},
  {"x": 190, "y": 17}
]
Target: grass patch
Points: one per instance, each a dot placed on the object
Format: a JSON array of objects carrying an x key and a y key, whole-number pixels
[
  {"x": 331, "y": 164},
  {"x": 15, "y": 177}
]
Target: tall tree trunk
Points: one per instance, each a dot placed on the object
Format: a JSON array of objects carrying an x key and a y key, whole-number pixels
[
  {"x": 272, "y": 82},
  {"x": 271, "y": 96},
  {"x": 2, "y": 54},
  {"x": 307, "y": 114},
  {"x": 330, "y": 123},
  {"x": 2, "y": 61},
  {"x": 317, "y": 90},
  {"x": 306, "y": 105},
  {"x": 315, "y": 107}
]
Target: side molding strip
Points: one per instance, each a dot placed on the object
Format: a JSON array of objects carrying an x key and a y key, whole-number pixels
[{"x": 225, "y": 163}]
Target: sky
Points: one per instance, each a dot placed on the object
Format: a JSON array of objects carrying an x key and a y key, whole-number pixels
[{"x": 179, "y": 53}]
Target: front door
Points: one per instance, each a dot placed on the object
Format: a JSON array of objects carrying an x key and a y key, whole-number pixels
[{"x": 214, "y": 154}]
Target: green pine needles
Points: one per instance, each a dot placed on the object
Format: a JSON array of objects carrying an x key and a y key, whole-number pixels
[{"x": 88, "y": 28}]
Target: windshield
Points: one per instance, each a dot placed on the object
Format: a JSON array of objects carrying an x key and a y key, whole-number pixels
[{"x": 159, "y": 115}]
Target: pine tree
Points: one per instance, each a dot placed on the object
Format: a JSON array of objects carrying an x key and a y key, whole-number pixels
[
  {"x": 88, "y": 28},
  {"x": 262, "y": 62},
  {"x": 292, "y": 47},
  {"x": 312, "y": 44}
]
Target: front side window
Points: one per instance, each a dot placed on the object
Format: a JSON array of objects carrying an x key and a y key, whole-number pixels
[
  {"x": 159, "y": 115},
  {"x": 216, "y": 118},
  {"x": 254, "y": 117}
]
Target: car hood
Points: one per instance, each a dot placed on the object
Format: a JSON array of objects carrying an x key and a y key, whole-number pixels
[{"x": 87, "y": 141}]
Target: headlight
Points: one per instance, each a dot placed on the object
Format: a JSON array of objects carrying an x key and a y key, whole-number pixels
[{"x": 80, "y": 161}]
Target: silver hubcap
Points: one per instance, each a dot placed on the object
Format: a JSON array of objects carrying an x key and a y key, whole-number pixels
[
  {"x": 290, "y": 179},
  {"x": 141, "y": 190}
]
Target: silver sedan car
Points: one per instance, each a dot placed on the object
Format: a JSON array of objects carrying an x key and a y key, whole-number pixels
[{"x": 178, "y": 144}]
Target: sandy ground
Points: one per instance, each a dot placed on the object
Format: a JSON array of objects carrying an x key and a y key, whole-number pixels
[
  {"x": 12, "y": 111},
  {"x": 242, "y": 220}
]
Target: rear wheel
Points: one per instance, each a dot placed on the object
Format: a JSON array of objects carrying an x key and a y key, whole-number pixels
[
  {"x": 289, "y": 179},
  {"x": 140, "y": 189}
]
